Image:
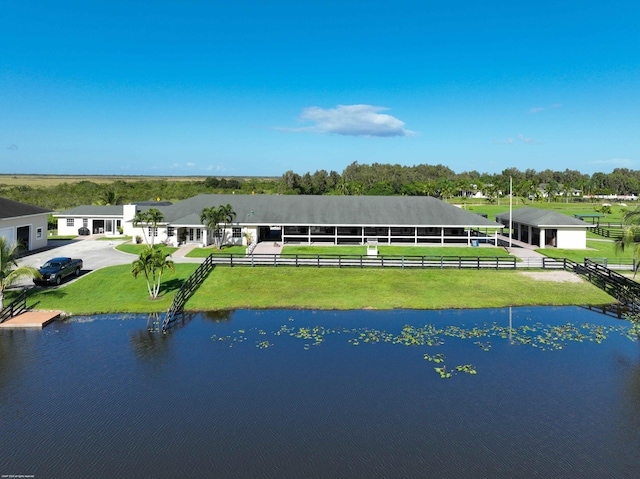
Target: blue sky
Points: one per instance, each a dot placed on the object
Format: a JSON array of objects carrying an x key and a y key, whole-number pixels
[{"x": 190, "y": 87}]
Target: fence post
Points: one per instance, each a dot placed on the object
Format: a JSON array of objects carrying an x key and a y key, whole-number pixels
[{"x": 231, "y": 260}]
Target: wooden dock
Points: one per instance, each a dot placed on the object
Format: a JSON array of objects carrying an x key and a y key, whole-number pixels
[{"x": 31, "y": 319}]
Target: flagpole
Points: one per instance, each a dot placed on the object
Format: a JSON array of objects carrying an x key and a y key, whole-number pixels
[{"x": 510, "y": 208}]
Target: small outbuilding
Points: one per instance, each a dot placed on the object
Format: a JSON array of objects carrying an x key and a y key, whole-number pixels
[
  {"x": 24, "y": 223},
  {"x": 546, "y": 228}
]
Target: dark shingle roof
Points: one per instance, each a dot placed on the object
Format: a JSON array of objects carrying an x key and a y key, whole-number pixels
[
  {"x": 12, "y": 209},
  {"x": 542, "y": 218},
  {"x": 328, "y": 210},
  {"x": 93, "y": 211}
]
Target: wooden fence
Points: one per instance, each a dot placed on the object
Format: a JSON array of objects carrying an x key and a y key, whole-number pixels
[
  {"x": 186, "y": 291},
  {"x": 387, "y": 261},
  {"x": 17, "y": 306}
]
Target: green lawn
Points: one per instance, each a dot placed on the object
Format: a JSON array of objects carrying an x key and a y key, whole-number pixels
[
  {"x": 205, "y": 252},
  {"x": 136, "y": 249},
  {"x": 617, "y": 212},
  {"x": 311, "y": 288},
  {"x": 597, "y": 249},
  {"x": 110, "y": 290},
  {"x": 114, "y": 290}
]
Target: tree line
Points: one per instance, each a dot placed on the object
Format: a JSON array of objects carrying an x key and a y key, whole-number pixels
[
  {"x": 356, "y": 179},
  {"x": 441, "y": 181}
]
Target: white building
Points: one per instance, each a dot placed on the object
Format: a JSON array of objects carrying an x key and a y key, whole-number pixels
[
  {"x": 302, "y": 219},
  {"x": 24, "y": 223},
  {"x": 546, "y": 229}
]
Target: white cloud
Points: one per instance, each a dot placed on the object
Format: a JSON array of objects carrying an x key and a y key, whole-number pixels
[
  {"x": 524, "y": 139},
  {"x": 617, "y": 162},
  {"x": 352, "y": 120},
  {"x": 520, "y": 138},
  {"x": 191, "y": 165},
  {"x": 539, "y": 109}
]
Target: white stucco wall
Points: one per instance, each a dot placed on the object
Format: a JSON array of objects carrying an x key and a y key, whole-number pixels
[
  {"x": 572, "y": 239},
  {"x": 37, "y": 229}
]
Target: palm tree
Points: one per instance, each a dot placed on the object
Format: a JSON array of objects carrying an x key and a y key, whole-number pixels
[
  {"x": 214, "y": 216},
  {"x": 227, "y": 217},
  {"x": 109, "y": 198},
  {"x": 211, "y": 218},
  {"x": 152, "y": 263},
  {"x": 631, "y": 236},
  {"x": 150, "y": 219},
  {"x": 8, "y": 260}
]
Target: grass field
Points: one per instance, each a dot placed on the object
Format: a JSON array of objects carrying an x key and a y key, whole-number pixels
[
  {"x": 136, "y": 249},
  {"x": 52, "y": 180},
  {"x": 205, "y": 252},
  {"x": 114, "y": 290}
]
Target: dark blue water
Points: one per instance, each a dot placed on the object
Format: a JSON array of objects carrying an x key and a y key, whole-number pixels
[{"x": 291, "y": 394}]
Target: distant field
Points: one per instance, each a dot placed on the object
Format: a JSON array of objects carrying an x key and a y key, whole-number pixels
[{"x": 52, "y": 180}]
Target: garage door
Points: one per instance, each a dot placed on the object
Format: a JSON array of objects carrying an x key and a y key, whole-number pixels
[{"x": 9, "y": 234}]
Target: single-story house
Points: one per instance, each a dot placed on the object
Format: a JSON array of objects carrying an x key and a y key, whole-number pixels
[
  {"x": 297, "y": 219},
  {"x": 24, "y": 223},
  {"x": 546, "y": 229},
  {"x": 107, "y": 220}
]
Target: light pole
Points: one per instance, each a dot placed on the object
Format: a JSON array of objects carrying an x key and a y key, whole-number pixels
[{"x": 510, "y": 208}]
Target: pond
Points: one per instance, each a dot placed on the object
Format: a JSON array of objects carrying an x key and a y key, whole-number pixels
[{"x": 528, "y": 392}]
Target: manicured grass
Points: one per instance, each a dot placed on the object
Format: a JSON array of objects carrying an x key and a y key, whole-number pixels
[
  {"x": 110, "y": 290},
  {"x": 205, "y": 252},
  {"x": 597, "y": 249},
  {"x": 115, "y": 238},
  {"x": 311, "y": 288},
  {"x": 397, "y": 250},
  {"x": 570, "y": 209},
  {"x": 114, "y": 290},
  {"x": 136, "y": 249}
]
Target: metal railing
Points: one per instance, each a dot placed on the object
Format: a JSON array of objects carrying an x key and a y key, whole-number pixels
[{"x": 17, "y": 306}]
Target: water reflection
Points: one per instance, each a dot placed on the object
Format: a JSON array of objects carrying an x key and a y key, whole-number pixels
[{"x": 336, "y": 394}]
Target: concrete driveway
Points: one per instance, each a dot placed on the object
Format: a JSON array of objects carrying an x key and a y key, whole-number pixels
[{"x": 94, "y": 253}]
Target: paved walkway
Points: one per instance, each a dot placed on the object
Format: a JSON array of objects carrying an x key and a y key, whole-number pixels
[{"x": 268, "y": 247}]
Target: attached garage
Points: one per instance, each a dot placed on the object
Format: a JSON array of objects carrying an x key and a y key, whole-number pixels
[{"x": 24, "y": 223}]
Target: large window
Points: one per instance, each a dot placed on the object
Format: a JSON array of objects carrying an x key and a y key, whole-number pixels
[
  {"x": 153, "y": 231},
  {"x": 70, "y": 221},
  {"x": 237, "y": 232}
]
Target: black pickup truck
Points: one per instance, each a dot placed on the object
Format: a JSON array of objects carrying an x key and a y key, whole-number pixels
[{"x": 56, "y": 269}]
